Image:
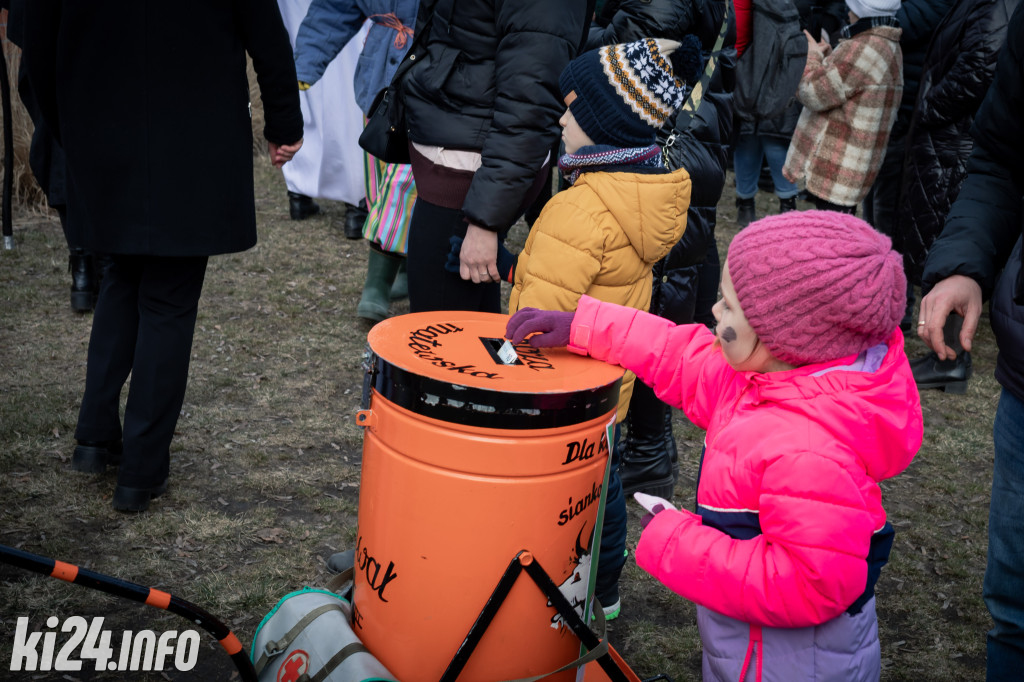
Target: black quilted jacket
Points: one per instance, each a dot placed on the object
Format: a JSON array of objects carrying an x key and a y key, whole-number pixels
[
  {"x": 918, "y": 19},
  {"x": 985, "y": 220},
  {"x": 957, "y": 72},
  {"x": 489, "y": 83}
]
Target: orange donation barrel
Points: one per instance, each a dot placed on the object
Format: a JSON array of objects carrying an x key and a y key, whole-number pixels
[{"x": 466, "y": 462}]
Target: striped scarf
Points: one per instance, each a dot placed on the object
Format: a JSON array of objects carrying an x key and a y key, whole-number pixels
[{"x": 601, "y": 157}]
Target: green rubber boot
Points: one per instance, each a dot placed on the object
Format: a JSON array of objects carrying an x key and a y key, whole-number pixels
[
  {"x": 381, "y": 269},
  {"x": 400, "y": 289}
]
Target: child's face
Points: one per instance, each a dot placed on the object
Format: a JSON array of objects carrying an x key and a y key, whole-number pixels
[
  {"x": 572, "y": 134},
  {"x": 740, "y": 345}
]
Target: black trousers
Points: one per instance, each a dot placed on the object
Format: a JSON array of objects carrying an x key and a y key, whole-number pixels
[
  {"x": 826, "y": 205},
  {"x": 431, "y": 287},
  {"x": 143, "y": 325}
]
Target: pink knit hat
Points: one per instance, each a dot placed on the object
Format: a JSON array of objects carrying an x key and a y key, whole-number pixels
[{"x": 817, "y": 285}]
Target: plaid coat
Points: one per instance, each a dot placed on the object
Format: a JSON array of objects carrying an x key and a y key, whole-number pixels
[{"x": 850, "y": 97}]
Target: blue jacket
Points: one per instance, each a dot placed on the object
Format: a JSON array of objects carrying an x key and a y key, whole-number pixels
[{"x": 330, "y": 24}]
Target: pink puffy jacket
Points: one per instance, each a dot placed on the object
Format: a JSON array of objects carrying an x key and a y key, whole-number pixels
[{"x": 788, "y": 493}]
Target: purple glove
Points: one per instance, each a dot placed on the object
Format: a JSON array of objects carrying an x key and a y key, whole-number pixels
[
  {"x": 552, "y": 325},
  {"x": 649, "y": 516}
]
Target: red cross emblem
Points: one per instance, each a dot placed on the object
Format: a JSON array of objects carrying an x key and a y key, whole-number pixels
[{"x": 296, "y": 664}]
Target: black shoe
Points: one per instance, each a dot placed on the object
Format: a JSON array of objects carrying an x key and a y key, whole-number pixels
[
  {"x": 92, "y": 457},
  {"x": 949, "y": 375},
  {"x": 355, "y": 218},
  {"x": 787, "y": 205},
  {"x": 84, "y": 281},
  {"x": 745, "y": 212},
  {"x": 301, "y": 207},
  {"x": 136, "y": 499}
]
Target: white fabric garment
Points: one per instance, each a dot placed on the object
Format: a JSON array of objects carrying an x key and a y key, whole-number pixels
[{"x": 330, "y": 163}]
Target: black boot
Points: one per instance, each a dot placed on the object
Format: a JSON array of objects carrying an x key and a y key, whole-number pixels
[
  {"x": 646, "y": 458},
  {"x": 355, "y": 218},
  {"x": 84, "y": 282},
  {"x": 93, "y": 457},
  {"x": 127, "y": 499},
  {"x": 949, "y": 375},
  {"x": 745, "y": 212},
  {"x": 301, "y": 207},
  {"x": 787, "y": 205}
]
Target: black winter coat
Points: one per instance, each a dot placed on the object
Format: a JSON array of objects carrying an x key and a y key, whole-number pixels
[
  {"x": 985, "y": 220},
  {"x": 917, "y": 19},
  {"x": 489, "y": 83},
  {"x": 958, "y": 70},
  {"x": 150, "y": 101}
]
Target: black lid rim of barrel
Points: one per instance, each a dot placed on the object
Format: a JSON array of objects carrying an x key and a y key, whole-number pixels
[{"x": 486, "y": 408}]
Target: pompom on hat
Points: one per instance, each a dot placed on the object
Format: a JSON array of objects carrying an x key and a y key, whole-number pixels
[
  {"x": 817, "y": 285},
  {"x": 873, "y": 8},
  {"x": 621, "y": 95}
]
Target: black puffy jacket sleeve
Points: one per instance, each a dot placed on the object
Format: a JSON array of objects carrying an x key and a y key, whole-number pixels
[
  {"x": 631, "y": 20},
  {"x": 957, "y": 95},
  {"x": 538, "y": 38}
]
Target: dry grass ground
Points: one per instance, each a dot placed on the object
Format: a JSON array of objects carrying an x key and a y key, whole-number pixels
[{"x": 265, "y": 464}]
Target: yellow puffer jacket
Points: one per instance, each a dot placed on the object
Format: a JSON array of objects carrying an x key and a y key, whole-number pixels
[{"x": 601, "y": 237}]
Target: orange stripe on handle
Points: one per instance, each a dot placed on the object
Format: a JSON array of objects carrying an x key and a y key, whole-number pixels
[
  {"x": 64, "y": 571},
  {"x": 159, "y": 599},
  {"x": 231, "y": 644}
]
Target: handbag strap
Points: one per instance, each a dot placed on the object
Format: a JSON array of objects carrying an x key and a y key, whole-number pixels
[{"x": 689, "y": 108}]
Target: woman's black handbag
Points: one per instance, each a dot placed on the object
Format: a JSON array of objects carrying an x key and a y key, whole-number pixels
[{"x": 385, "y": 135}]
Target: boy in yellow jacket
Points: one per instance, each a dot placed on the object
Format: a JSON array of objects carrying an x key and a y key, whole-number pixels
[{"x": 622, "y": 214}]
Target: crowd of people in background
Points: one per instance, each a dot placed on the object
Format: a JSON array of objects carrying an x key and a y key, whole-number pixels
[{"x": 612, "y": 126}]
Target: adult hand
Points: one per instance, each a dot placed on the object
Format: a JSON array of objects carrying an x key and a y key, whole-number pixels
[
  {"x": 956, "y": 293},
  {"x": 819, "y": 46},
  {"x": 550, "y": 327},
  {"x": 478, "y": 257},
  {"x": 280, "y": 154}
]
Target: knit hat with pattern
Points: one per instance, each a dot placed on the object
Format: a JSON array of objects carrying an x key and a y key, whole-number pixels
[
  {"x": 817, "y": 285},
  {"x": 621, "y": 95},
  {"x": 873, "y": 8}
]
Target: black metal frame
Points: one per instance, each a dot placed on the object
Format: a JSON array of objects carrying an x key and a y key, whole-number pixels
[{"x": 524, "y": 560}]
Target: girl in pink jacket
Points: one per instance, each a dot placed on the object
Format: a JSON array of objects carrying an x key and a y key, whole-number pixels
[{"x": 808, "y": 402}]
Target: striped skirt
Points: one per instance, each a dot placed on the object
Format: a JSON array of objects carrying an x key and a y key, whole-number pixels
[{"x": 390, "y": 195}]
